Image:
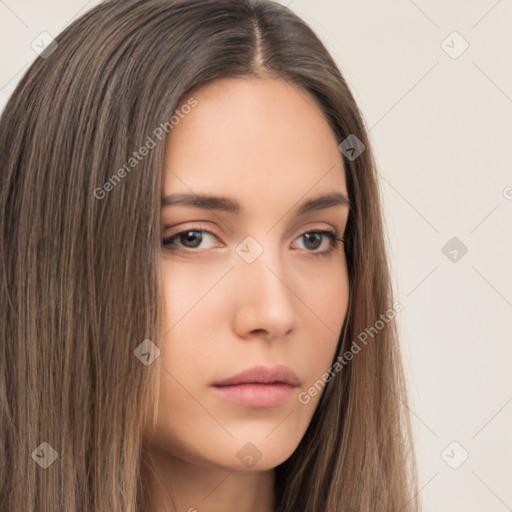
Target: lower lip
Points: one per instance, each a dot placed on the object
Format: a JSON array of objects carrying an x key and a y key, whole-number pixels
[{"x": 255, "y": 395}]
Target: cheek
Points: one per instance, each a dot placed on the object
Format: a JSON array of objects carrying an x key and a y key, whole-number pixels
[
  {"x": 192, "y": 316},
  {"x": 188, "y": 353},
  {"x": 192, "y": 324},
  {"x": 324, "y": 292},
  {"x": 325, "y": 309}
]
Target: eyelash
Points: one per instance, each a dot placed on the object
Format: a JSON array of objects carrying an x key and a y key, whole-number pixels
[{"x": 333, "y": 235}]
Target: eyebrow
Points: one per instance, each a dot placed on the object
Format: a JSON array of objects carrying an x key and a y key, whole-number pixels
[{"x": 209, "y": 202}]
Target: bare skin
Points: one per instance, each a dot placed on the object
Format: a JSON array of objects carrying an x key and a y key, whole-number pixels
[{"x": 266, "y": 144}]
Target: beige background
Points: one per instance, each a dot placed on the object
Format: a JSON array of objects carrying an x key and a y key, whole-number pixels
[{"x": 441, "y": 129}]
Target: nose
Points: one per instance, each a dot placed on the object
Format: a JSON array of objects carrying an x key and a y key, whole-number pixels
[{"x": 264, "y": 298}]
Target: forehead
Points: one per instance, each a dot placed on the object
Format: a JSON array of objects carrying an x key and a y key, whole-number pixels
[{"x": 252, "y": 136}]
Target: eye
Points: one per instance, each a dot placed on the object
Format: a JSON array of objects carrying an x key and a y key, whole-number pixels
[
  {"x": 313, "y": 240},
  {"x": 190, "y": 239}
]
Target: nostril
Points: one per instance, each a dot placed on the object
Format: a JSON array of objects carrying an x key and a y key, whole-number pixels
[{"x": 259, "y": 331}]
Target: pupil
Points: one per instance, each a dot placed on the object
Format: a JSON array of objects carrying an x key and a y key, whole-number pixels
[
  {"x": 317, "y": 235},
  {"x": 188, "y": 238}
]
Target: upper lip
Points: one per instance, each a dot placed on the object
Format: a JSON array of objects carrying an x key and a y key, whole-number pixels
[{"x": 262, "y": 375}]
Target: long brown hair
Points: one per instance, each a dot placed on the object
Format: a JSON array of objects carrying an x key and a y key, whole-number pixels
[{"x": 80, "y": 241}]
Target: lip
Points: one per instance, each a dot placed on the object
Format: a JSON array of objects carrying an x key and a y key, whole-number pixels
[
  {"x": 259, "y": 387},
  {"x": 262, "y": 375}
]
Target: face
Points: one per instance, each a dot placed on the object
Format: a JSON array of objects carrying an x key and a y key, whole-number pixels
[{"x": 252, "y": 285}]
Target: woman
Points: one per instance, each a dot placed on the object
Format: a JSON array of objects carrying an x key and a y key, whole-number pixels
[{"x": 197, "y": 308}]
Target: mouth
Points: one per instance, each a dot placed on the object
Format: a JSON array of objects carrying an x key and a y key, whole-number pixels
[
  {"x": 256, "y": 394},
  {"x": 259, "y": 387}
]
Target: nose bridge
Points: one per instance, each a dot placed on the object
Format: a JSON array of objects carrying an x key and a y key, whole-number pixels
[
  {"x": 264, "y": 290},
  {"x": 259, "y": 263}
]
